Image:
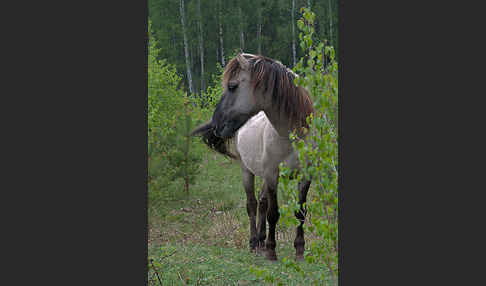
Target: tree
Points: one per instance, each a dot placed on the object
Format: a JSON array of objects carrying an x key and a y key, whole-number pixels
[
  {"x": 212, "y": 30},
  {"x": 169, "y": 151},
  {"x": 242, "y": 36},
  {"x": 186, "y": 52},
  {"x": 292, "y": 12},
  {"x": 259, "y": 28},
  {"x": 220, "y": 21},
  {"x": 201, "y": 45}
]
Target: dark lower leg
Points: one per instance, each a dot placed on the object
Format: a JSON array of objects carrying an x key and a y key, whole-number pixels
[
  {"x": 272, "y": 218},
  {"x": 262, "y": 219},
  {"x": 299, "y": 242},
  {"x": 251, "y": 205}
]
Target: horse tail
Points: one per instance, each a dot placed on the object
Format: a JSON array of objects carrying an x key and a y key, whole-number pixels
[{"x": 220, "y": 145}]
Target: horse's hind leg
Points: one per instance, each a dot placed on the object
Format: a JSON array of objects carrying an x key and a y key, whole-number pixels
[
  {"x": 251, "y": 203},
  {"x": 299, "y": 241},
  {"x": 262, "y": 219}
]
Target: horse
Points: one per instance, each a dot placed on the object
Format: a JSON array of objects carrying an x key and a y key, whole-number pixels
[{"x": 260, "y": 106}]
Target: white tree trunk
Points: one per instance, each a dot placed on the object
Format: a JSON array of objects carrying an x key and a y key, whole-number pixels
[
  {"x": 242, "y": 36},
  {"x": 259, "y": 38},
  {"x": 330, "y": 23},
  {"x": 308, "y": 4},
  {"x": 221, "y": 43},
  {"x": 242, "y": 41},
  {"x": 259, "y": 30},
  {"x": 201, "y": 46},
  {"x": 183, "y": 22},
  {"x": 221, "y": 34},
  {"x": 293, "y": 32}
]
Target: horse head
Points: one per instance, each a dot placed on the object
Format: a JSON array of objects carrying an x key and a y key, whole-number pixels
[{"x": 238, "y": 102}]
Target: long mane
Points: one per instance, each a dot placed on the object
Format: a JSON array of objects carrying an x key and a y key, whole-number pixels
[
  {"x": 294, "y": 102},
  {"x": 220, "y": 145}
]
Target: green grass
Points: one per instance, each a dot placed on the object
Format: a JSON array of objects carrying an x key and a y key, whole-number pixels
[
  {"x": 194, "y": 264},
  {"x": 202, "y": 239}
]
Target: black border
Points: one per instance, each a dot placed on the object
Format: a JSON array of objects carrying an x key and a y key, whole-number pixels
[
  {"x": 408, "y": 122},
  {"x": 79, "y": 144}
]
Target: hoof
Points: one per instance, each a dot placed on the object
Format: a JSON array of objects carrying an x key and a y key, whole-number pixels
[
  {"x": 299, "y": 257},
  {"x": 271, "y": 255},
  {"x": 253, "y": 244},
  {"x": 299, "y": 253},
  {"x": 259, "y": 250}
]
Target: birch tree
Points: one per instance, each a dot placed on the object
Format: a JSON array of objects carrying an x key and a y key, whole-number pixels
[
  {"x": 201, "y": 45},
  {"x": 221, "y": 32},
  {"x": 293, "y": 32},
  {"x": 186, "y": 51},
  {"x": 242, "y": 36},
  {"x": 214, "y": 28},
  {"x": 259, "y": 28},
  {"x": 330, "y": 23}
]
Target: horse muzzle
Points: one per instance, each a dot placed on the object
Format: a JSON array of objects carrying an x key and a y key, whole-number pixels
[{"x": 223, "y": 131}]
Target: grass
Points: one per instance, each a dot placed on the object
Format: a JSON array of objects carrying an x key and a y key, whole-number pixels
[
  {"x": 202, "y": 239},
  {"x": 195, "y": 264}
]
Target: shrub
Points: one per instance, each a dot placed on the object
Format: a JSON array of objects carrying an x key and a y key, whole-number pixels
[
  {"x": 320, "y": 159},
  {"x": 169, "y": 124}
]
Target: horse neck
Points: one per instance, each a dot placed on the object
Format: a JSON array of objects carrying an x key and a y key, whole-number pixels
[{"x": 280, "y": 123}]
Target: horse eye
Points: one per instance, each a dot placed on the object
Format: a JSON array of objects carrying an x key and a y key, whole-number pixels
[{"x": 232, "y": 87}]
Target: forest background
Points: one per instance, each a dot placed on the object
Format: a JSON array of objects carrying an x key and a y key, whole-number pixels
[{"x": 197, "y": 35}]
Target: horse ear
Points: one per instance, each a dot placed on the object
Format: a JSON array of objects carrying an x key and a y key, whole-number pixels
[{"x": 244, "y": 63}]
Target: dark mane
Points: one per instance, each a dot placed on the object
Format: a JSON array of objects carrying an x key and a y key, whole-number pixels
[
  {"x": 220, "y": 145},
  {"x": 272, "y": 76}
]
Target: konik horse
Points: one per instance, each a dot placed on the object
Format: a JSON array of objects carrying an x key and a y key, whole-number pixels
[{"x": 259, "y": 107}]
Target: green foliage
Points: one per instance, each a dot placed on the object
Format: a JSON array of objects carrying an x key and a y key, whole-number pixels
[
  {"x": 276, "y": 17},
  {"x": 319, "y": 159},
  {"x": 164, "y": 98},
  {"x": 168, "y": 136},
  {"x": 209, "y": 99},
  {"x": 171, "y": 116},
  {"x": 185, "y": 163}
]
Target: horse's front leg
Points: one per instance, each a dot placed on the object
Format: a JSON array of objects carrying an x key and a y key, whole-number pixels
[
  {"x": 251, "y": 204},
  {"x": 271, "y": 182},
  {"x": 262, "y": 219},
  {"x": 299, "y": 242}
]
